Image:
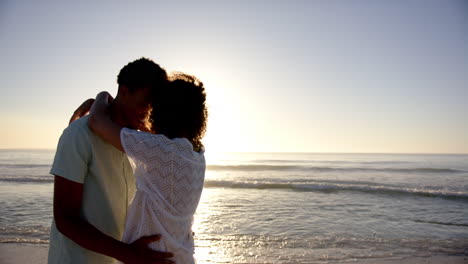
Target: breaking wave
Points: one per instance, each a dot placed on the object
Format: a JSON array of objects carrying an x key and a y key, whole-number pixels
[{"x": 328, "y": 186}]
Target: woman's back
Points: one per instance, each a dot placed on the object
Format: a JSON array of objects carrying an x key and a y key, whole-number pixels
[{"x": 169, "y": 178}]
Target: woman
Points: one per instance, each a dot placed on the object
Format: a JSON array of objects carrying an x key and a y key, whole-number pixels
[{"x": 168, "y": 163}]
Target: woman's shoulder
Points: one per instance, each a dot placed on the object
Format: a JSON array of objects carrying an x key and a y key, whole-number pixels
[
  {"x": 183, "y": 148},
  {"x": 136, "y": 136},
  {"x": 180, "y": 146}
]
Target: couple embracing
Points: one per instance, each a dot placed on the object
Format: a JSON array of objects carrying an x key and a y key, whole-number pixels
[{"x": 128, "y": 176}]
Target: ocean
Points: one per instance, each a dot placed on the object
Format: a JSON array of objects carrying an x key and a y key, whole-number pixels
[{"x": 287, "y": 207}]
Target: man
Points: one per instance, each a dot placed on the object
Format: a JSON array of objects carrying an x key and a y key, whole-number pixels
[{"x": 94, "y": 182}]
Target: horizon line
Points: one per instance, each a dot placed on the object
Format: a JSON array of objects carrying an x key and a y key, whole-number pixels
[{"x": 288, "y": 152}]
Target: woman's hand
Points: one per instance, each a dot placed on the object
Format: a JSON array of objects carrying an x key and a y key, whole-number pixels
[
  {"x": 82, "y": 110},
  {"x": 101, "y": 104}
]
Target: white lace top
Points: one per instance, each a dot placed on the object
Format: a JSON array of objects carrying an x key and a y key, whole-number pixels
[{"x": 169, "y": 181}]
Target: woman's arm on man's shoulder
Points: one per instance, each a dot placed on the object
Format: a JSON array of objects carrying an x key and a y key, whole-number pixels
[{"x": 99, "y": 121}]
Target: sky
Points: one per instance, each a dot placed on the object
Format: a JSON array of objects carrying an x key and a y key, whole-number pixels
[{"x": 285, "y": 76}]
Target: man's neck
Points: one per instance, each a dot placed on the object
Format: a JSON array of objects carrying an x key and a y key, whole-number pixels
[{"x": 116, "y": 114}]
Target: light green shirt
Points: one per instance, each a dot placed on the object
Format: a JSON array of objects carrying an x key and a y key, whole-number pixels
[{"x": 108, "y": 187}]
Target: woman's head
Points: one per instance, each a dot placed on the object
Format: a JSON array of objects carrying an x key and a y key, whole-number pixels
[{"x": 179, "y": 111}]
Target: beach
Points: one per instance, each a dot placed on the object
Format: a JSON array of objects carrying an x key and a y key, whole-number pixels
[
  {"x": 23, "y": 253},
  {"x": 283, "y": 208}
]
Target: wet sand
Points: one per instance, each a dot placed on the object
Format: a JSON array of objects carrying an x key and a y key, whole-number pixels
[{"x": 37, "y": 254}]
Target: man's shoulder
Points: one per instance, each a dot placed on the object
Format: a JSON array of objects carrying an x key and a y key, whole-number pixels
[
  {"x": 74, "y": 151},
  {"x": 77, "y": 131},
  {"x": 79, "y": 126},
  {"x": 80, "y": 123}
]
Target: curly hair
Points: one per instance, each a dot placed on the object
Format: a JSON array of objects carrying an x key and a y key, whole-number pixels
[
  {"x": 179, "y": 111},
  {"x": 142, "y": 73}
]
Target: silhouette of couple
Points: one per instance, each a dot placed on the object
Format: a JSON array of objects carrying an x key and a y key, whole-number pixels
[{"x": 128, "y": 176}]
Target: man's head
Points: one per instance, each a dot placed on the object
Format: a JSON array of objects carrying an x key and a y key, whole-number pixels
[{"x": 137, "y": 81}]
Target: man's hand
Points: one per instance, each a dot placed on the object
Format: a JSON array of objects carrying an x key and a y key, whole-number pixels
[
  {"x": 140, "y": 253},
  {"x": 82, "y": 110}
]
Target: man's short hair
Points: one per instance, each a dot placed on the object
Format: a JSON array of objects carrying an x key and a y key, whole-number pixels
[{"x": 142, "y": 73}]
